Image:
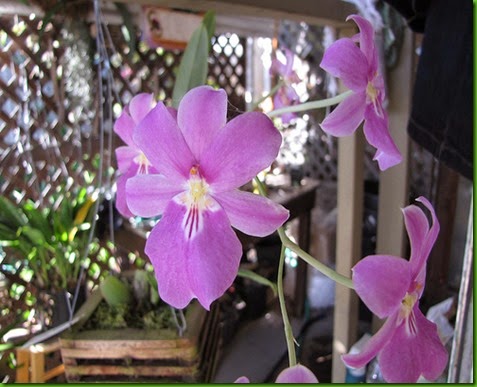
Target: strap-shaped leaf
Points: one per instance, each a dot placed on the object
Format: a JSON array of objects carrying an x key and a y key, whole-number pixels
[{"x": 193, "y": 68}]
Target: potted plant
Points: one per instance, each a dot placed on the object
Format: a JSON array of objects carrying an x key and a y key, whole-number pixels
[
  {"x": 44, "y": 249},
  {"x": 125, "y": 332}
]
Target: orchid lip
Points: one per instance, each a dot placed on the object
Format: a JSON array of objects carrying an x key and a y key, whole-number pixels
[
  {"x": 143, "y": 163},
  {"x": 197, "y": 199}
]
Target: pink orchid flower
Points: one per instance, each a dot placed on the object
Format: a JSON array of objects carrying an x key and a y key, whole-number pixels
[
  {"x": 358, "y": 69},
  {"x": 203, "y": 160},
  {"x": 407, "y": 345},
  {"x": 285, "y": 95},
  {"x": 295, "y": 374},
  {"x": 131, "y": 160}
]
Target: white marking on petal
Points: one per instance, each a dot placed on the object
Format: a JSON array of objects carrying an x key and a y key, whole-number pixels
[{"x": 197, "y": 199}]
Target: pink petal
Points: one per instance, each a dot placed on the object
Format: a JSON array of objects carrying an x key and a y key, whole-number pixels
[
  {"x": 252, "y": 214},
  {"x": 124, "y": 127},
  {"x": 344, "y": 60},
  {"x": 382, "y": 281},
  {"x": 407, "y": 356},
  {"x": 148, "y": 195},
  {"x": 245, "y": 146},
  {"x": 418, "y": 261},
  {"x": 242, "y": 379},
  {"x": 346, "y": 117},
  {"x": 161, "y": 140},
  {"x": 203, "y": 266},
  {"x": 201, "y": 114},
  {"x": 296, "y": 374},
  {"x": 121, "y": 204},
  {"x": 377, "y": 134},
  {"x": 366, "y": 41},
  {"x": 290, "y": 58},
  {"x": 125, "y": 156},
  {"x": 140, "y": 105},
  {"x": 373, "y": 346},
  {"x": 282, "y": 99}
]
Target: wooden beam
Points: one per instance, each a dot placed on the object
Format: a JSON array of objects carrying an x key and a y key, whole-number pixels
[
  {"x": 348, "y": 245},
  {"x": 393, "y": 183},
  {"x": 321, "y": 12}
]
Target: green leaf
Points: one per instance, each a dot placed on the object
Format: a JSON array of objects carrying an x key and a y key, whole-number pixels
[
  {"x": 193, "y": 68},
  {"x": 10, "y": 214},
  {"x": 38, "y": 219},
  {"x": 209, "y": 22},
  {"x": 33, "y": 234},
  {"x": 257, "y": 278},
  {"x": 114, "y": 291}
]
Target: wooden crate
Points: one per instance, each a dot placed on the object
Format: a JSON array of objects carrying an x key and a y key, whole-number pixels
[{"x": 135, "y": 355}]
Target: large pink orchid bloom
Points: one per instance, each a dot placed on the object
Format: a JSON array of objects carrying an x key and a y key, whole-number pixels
[
  {"x": 407, "y": 345},
  {"x": 131, "y": 160},
  {"x": 202, "y": 160},
  {"x": 358, "y": 69},
  {"x": 296, "y": 374},
  {"x": 285, "y": 95}
]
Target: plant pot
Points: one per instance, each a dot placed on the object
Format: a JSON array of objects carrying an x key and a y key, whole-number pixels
[
  {"x": 61, "y": 307},
  {"x": 140, "y": 355}
]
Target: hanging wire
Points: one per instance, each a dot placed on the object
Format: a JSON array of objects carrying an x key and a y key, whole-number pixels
[{"x": 180, "y": 325}]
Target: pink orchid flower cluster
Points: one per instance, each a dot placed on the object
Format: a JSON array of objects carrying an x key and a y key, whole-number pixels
[{"x": 187, "y": 165}]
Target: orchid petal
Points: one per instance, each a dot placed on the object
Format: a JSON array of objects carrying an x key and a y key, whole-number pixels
[
  {"x": 252, "y": 214},
  {"x": 366, "y": 41},
  {"x": 162, "y": 142},
  {"x": 418, "y": 261},
  {"x": 124, "y": 127},
  {"x": 408, "y": 355},
  {"x": 377, "y": 134},
  {"x": 121, "y": 204},
  {"x": 381, "y": 282},
  {"x": 201, "y": 114},
  {"x": 290, "y": 58},
  {"x": 346, "y": 117},
  {"x": 242, "y": 379},
  {"x": 344, "y": 60},
  {"x": 373, "y": 345},
  {"x": 296, "y": 374},
  {"x": 202, "y": 266},
  {"x": 140, "y": 105},
  {"x": 125, "y": 156},
  {"x": 148, "y": 195},
  {"x": 244, "y": 147}
]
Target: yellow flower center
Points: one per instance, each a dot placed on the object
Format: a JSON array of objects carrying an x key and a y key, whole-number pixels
[
  {"x": 143, "y": 163},
  {"x": 372, "y": 93},
  {"x": 197, "y": 199},
  {"x": 407, "y": 305}
]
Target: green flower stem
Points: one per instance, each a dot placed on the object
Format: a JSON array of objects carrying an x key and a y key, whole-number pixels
[
  {"x": 279, "y": 84},
  {"x": 330, "y": 273},
  {"x": 286, "y": 322},
  {"x": 287, "y": 242},
  {"x": 311, "y": 105}
]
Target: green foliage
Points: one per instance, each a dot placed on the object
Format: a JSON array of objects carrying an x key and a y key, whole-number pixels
[
  {"x": 115, "y": 292},
  {"x": 194, "y": 65},
  {"x": 51, "y": 241},
  {"x": 123, "y": 308}
]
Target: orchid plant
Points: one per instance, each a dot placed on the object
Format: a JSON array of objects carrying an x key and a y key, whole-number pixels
[{"x": 188, "y": 165}]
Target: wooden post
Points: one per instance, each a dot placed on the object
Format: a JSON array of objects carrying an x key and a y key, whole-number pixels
[
  {"x": 348, "y": 245},
  {"x": 393, "y": 183},
  {"x": 23, "y": 365}
]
